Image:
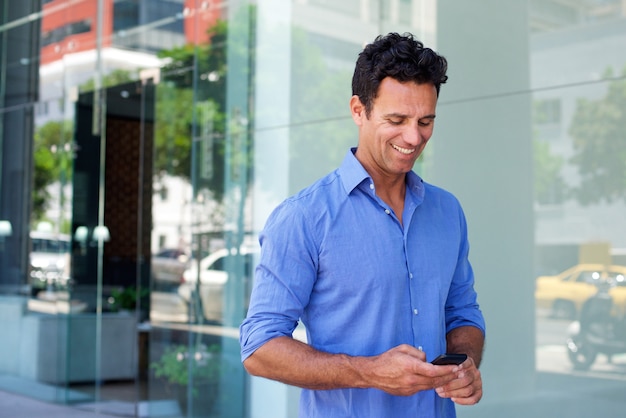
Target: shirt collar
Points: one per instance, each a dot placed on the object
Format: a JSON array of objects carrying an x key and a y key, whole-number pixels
[
  {"x": 352, "y": 174},
  {"x": 351, "y": 171}
]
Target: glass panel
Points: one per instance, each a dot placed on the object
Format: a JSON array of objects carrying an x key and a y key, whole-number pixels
[
  {"x": 33, "y": 176},
  {"x": 579, "y": 147},
  {"x": 201, "y": 183}
]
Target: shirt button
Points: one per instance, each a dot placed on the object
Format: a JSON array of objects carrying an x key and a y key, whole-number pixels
[
  {"x": 372, "y": 186},
  {"x": 410, "y": 275},
  {"x": 387, "y": 211},
  {"x": 414, "y": 311}
]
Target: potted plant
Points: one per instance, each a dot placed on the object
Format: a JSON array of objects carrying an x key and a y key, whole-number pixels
[
  {"x": 181, "y": 365},
  {"x": 125, "y": 299}
]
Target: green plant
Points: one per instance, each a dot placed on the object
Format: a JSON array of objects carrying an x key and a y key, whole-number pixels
[
  {"x": 178, "y": 361},
  {"x": 126, "y": 298}
]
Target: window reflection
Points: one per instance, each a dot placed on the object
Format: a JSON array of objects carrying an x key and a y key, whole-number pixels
[
  {"x": 579, "y": 230},
  {"x": 187, "y": 226}
]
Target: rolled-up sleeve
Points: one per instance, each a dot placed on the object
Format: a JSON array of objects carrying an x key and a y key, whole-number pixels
[
  {"x": 283, "y": 279},
  {"x": 462, "y": 308}
]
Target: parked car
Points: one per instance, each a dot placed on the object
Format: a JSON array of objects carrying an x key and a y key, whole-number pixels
[
  {"x": 213, "y": 278},
  {"x": 168, "y": 266},
  {"x": 49, "y": 259},
  {"x": 564, "y": 294}
]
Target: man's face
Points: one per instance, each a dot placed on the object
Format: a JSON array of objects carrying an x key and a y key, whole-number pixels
[{"x": 399, "y": 126}]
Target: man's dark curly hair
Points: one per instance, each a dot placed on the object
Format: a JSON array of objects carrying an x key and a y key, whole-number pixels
[{"x": 401, "y": 57}]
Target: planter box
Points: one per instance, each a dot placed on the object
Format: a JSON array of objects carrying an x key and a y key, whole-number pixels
[{"x": 61, "y": 349}]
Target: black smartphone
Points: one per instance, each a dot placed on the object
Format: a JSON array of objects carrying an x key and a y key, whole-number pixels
[{"x": 449, "y": 358}]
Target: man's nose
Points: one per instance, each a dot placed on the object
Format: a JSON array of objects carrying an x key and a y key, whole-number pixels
[{"x": 413, "y": 136}]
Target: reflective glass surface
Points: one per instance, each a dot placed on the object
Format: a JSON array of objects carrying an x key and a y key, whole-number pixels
[{"x": 144, "y": 143}]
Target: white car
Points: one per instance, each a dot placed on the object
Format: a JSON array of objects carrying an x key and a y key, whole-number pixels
[
  {"x": 49, "y": 259},
  {"x": 213, "y": 277},
  {"x": 168, "y": 266}
]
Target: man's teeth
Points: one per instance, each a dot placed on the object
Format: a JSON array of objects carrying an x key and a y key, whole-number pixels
[{"x": 403, "y": 150}]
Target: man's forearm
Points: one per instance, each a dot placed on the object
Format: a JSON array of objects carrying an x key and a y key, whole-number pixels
[
  {"x": 296, "y": 363},
  {"x": 469, "y": 340},
  {"x": 402, "y": 370}
]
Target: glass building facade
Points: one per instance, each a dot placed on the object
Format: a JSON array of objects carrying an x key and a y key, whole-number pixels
[{"x": 143, "y": 143}]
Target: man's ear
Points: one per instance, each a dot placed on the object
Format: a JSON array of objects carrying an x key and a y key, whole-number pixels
[{"x": 357, "y": 109}]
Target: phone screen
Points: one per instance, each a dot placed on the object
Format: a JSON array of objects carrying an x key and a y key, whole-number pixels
[{"x": 449, "y": 358}]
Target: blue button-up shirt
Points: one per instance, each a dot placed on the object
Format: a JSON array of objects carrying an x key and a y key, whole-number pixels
[{"x": 336, "y": 257}]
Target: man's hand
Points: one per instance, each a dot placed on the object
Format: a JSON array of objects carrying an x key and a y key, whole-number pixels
[
  {"x": 404, "y": 371},
  {"x": 467, "y": 388}
]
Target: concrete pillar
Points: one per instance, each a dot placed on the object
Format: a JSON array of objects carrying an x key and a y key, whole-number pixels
[{"x": 482, "y": 152}]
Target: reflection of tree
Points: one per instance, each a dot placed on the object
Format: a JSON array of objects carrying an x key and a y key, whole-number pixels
[
  {"x": 190, "y": 106},
  {"x": 52, "y": 162},
  {"x": 114, "y": 78},
  {"x": 54, "y": 151},
  {"x": 549, "y": 184},
  {"x": 599, "y": 137},
  {"x": 322, "y": 128},
  {"x": 172, "y": 133}
]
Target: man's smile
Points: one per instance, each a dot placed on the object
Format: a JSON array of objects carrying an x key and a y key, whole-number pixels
[{"x": 405, "y": 151}]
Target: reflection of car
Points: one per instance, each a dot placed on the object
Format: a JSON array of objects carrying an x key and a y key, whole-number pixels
[
  {"x": 168, "y": 266},
  {"x": 214, "y": 276},
  {"x": 49, "y": 259},
  {"x": 565, "y": 293}
]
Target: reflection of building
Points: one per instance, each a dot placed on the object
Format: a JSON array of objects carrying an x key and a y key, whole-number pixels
[
  {"x": 553, "y": 15},
  {"x": 171, "y": 215},
  {"x": 131, "y": 34},
  {"x": 71, "y": 27},
  {"x": 200, "y": 15},
  {"x": 568, "y": 59},
  {"x": 146, "y": 25}
]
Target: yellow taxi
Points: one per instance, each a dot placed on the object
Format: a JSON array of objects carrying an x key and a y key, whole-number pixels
[{"x": 564, "y": 294}]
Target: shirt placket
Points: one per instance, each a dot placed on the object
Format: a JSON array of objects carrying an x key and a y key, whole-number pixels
[{"x": 412, "y": 275}]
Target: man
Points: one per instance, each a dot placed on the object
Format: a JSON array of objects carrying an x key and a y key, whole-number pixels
[{"x": 374, "y": 262}]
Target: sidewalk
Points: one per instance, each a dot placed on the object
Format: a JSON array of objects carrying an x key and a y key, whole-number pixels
[
  {"x": 13, "y": 405},
  {"x": 18, "y": 406}
]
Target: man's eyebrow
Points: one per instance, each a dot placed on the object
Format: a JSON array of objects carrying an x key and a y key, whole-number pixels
[
  {"x": 395, "y": 115},
  {"x": 402, "y": 115}
]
